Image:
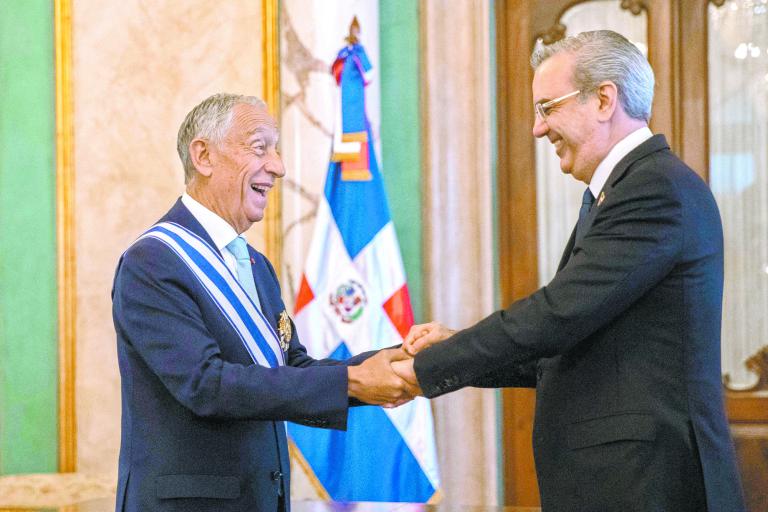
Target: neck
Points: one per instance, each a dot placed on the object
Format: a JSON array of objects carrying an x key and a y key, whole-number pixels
[
  {"x": 200, "y": 193},
  {"x": 623, "y": 127},
  {"x": 617, "y": 130}
]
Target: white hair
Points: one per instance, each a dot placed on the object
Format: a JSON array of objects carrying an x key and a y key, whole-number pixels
[
  {"x": 604, "y": 55},
  {"x": 210, "y": 120}
]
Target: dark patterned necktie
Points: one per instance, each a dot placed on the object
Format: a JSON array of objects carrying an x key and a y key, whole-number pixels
[{"x": 586, "y": 203}]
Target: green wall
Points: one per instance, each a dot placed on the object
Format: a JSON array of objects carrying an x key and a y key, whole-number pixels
[
  {"x": 28, "y": 332},
  {"x": 401, "y": 135}
]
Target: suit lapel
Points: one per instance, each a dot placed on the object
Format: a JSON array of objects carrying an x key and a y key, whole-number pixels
[
  {"x": 568, "y": 249},
  {"x": 590, "y": 218},
  {"x": 261, "y": 277},
  {"x": 179, "y": 214},
  {"x": 655, "y": 143}
]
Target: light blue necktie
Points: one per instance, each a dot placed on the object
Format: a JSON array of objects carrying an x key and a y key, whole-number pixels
[{"x": 239, "y": 249}]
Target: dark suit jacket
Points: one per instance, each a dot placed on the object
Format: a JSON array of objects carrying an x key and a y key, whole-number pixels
[
  {"x": 202, "y": 425},
  {"x": 623, "y": 346}
]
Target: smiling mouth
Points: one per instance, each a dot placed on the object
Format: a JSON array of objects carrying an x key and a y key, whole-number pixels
[{"x": 260, "y": 189}]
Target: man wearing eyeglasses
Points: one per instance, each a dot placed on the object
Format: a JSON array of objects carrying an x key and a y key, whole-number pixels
[{"x": 623, "y": 345}]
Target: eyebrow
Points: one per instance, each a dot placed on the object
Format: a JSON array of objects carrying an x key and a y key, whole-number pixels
[
  {"x": 267, "y": 134},
  {"x": 258, "y": 129}
]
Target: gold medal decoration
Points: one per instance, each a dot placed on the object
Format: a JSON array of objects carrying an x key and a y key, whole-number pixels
[{"x": 284, "y": 330}]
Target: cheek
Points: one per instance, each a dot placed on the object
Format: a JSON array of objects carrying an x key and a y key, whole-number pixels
[
  {"x": 242, "y": 180},
  {"x": 575, "y": 141},
  {"x": 249, "y": 167},
  {"x": 242, "y": 170}
]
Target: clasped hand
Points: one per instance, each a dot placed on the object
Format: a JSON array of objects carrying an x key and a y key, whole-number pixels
[{"x": 388, "y": 378}]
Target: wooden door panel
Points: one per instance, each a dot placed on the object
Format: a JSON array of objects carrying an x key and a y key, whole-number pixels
[{"x": 748, "y": 415}]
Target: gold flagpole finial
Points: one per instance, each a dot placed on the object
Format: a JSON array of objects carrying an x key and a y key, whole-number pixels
[{"x": 354, "y": 32}]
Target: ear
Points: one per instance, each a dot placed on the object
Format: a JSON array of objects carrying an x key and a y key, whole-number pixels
[
  {"x": 608, "y": 96},
  {"x": 200, "y": 154}
]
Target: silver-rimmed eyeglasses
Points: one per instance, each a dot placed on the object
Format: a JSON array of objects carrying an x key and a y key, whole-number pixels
[{"x": 542, "y": 109}]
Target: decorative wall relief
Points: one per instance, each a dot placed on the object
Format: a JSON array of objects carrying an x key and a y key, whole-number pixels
[{"x": 311, "y": 35}]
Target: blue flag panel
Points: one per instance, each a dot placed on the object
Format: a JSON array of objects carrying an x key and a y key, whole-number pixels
[
  {"x": 359, "y": 207},
  {"x": 358, "y": 456}
]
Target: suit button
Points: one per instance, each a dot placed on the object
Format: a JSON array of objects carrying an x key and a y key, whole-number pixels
[{"x": 276, "y": 475}]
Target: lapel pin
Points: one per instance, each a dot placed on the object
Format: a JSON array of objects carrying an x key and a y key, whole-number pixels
[
  {"x": 253, "y": 261},
  {"x": 601, "y": 198}
]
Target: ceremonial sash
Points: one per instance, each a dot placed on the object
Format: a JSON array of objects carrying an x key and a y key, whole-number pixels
[{"x": 207, "y": 265}]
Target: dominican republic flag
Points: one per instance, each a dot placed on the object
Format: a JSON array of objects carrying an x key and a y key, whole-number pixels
[{"x": 353, "y": 297}]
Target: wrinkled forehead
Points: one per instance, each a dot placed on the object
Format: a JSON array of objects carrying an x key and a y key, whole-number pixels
[
  {"x": 553, "y": 77},
  {"x": 250, "y": 120}
]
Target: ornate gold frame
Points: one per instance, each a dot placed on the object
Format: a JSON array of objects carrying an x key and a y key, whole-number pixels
[
  {"x": 273, "y": 218},
  {"x": 65, "y": 234},
  {"x": 65, "y": 208}
]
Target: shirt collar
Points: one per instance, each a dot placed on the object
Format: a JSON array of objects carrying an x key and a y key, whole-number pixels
[
  {"x": 614, "y": 156},
  {"x": 220, "y": 231}
]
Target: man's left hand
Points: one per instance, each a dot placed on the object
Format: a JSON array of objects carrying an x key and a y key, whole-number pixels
[
  {"x": 425, "y": 335},
  {"x": 404, "y": 370},
  {"x": 375, "y": 382}
]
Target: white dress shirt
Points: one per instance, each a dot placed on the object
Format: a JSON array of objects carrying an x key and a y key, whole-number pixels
[{"x": 617, "y": 152}]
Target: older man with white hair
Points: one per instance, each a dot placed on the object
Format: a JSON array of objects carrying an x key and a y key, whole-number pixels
[{"x": 210, "y": 362}]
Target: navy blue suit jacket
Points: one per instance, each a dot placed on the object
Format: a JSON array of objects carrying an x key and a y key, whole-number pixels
[
  {"x": 202, "y": 425},
  {"x": 623, "y": 347}
]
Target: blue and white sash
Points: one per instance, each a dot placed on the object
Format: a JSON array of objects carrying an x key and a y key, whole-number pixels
[{"x": 257, "y": 335}]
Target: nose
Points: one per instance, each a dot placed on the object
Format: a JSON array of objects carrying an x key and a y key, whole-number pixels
[
  {"x": 274, "y": 164},
  {"x": 540, "y": 126}
]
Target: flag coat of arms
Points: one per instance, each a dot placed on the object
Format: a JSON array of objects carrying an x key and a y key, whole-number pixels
[{"x": 352, "y": 298}]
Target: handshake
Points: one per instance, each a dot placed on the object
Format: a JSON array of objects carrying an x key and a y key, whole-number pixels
[{"x": 388, "y": 377}]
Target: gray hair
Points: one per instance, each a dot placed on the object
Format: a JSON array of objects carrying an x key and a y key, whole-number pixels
[
  {"x": 210, "y": 120},
  {"x": 605, "y": 55}
]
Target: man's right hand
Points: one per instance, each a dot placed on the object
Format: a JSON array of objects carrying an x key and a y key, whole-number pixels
[
  {"x": 425, "y": 335},
  {"x": 374, "y": 381}
]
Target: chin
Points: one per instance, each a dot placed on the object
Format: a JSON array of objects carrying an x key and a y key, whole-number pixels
[
  {"x": 580, "y": 175},
  {"x": 256, "y": 217}
]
